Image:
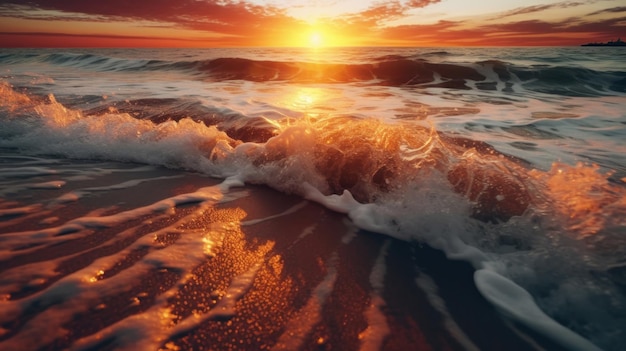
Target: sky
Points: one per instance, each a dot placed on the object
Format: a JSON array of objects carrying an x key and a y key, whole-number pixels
[{"x": 312, "y": 23}]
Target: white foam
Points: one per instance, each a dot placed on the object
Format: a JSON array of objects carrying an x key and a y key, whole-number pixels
[
  {"x": 54, "y": 184},
  {"x": 366, "y": 216},
  {"x": 351, "y": 233},
  {"x": 516, "y": 303},
  {"x": 128, "y": 184},
  {"x": 430, "y": 289},
  {"x": 72, "y": 196},
  {"x": 18, "y": 211},
  {"x": 344, "y": 203},
  {"x": 77, "y": 227},
  {"x": 291, "y": 210},
  {"x": 212, "y": 193},
  {"x": 29, "y": 275},
  {"x": 114, "y": 136},
  {"x": 25, "y": 172}
]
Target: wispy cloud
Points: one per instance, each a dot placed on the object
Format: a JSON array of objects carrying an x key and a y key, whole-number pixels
[
  {"x": 540, "y": 8},
  {"x": 99, "y": 36},
  {"x": 213, "y": 15},
  {"x": 527, "y": 32},
  {"x": 610, "y": 10}
]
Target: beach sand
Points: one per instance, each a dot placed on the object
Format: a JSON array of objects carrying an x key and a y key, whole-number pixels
[{"x": 94, "y": 258}]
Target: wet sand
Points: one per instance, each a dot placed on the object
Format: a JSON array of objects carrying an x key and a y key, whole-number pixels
[{"x": 276, "y": 272}]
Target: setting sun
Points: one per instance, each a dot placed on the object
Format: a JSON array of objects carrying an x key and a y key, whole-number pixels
[
  {"x": 314, "y": 37},
  {"x": 316, "y": 40}
]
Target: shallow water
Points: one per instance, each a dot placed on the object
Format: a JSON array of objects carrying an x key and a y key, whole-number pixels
[{"x": 510, "y": 159}]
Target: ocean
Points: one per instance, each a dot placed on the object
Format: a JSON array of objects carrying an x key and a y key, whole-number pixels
[{"x": 314, "y": 199}]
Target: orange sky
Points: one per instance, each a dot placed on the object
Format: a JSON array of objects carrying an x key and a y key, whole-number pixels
[{"x": 232, "y": 23}]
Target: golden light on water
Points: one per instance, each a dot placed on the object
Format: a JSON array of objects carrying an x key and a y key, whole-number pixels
[
  {"x": 308, "y": 99},
  {"x": 584, "y": 195}
]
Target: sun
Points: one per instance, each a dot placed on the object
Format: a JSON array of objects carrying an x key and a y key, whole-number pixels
[
  {"x": 316, "y": 40},
  {"x": 316, "y": 37}
]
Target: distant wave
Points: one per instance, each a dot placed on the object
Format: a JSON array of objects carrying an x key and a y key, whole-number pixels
[
  {"x": 398, "y": 71},
  {"x": 389, "y": 70}
]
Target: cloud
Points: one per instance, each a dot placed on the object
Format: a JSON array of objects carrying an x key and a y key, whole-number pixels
[
  {"x": 527, "y": 32},
  {"x": 223, "y": 16},
  {"x": 375, "y": 16},
  {"x": 540, "y": 8},
  {"x": 94, "y": 36},
  {"x": 421, "y": 3},
  {"x": 610, "y": 10},
  {"x": 157, "y": 10}
]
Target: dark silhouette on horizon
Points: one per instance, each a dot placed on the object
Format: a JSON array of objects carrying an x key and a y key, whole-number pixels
[{"x": 618, "y": 42}]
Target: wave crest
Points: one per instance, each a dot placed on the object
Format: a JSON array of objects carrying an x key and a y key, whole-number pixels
[{"x": 374, "y": 160}]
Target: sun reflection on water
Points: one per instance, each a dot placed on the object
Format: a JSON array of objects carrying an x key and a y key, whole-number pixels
[{"x": 306, "y": 98}]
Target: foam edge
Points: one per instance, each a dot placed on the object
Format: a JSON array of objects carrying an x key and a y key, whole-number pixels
[{"x": 514, "y": 302}]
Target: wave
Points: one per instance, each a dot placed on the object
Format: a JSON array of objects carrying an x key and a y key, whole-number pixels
[
  {"x": 389, "y": 70},
  {"x": 373, "y": 161},
  {"x": 411, "y": 182}
]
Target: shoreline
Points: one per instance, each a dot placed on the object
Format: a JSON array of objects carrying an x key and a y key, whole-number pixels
[{"x": 275, "y": 272}]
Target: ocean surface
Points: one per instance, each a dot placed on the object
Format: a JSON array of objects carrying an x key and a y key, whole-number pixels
[{"x": 510, "y": 159}]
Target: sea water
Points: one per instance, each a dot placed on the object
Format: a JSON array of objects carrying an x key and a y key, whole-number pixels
[{"x": 512, "y": 159}]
